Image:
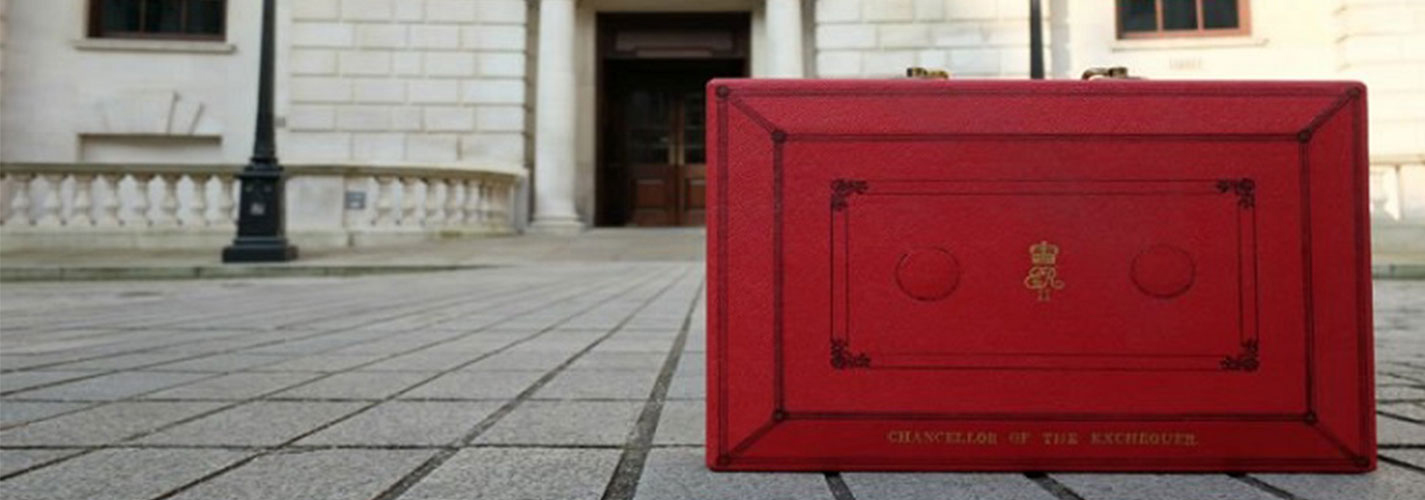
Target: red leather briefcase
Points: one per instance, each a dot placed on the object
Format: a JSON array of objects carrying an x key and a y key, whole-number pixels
[{"x": 1038, "y": 275}]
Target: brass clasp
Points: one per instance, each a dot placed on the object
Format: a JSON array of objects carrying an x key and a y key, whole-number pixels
[{"x": 1114, "y": 72}]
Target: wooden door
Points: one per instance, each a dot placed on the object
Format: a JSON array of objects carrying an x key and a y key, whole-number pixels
[
  {"x": 652, "y": 73},
  {"x": 660, "y": 147}
]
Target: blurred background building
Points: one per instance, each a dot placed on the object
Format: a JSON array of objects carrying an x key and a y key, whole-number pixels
[{"x": 122, "y": 121}]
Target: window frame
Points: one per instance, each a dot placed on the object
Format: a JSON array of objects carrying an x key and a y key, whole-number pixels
[
  {"x": 95, "y": 26},
  {"x": 1244, "y": 23}
]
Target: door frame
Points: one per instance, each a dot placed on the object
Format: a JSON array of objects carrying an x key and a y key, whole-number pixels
[{"x": 607, "y": 26}]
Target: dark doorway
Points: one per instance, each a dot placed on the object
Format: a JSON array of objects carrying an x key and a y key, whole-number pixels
[{"x": 652, "y": 73}]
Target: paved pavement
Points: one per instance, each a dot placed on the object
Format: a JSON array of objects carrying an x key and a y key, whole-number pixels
[{"x": 551, "y": 381}]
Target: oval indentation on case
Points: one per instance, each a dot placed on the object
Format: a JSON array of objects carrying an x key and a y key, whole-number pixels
[
  {"x": 1163, "y": 271},
  {"x": 928, "y": 274}
]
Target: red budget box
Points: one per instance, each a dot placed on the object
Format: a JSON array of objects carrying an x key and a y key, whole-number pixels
[{"x": 1042, "y": 275}]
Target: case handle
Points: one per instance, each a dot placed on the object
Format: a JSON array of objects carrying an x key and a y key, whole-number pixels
[
  {"x": 1113, "y": 72},
  {"x": 932, "y": 74}
]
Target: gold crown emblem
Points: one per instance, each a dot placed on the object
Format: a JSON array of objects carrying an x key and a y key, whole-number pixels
[{"x": 1043, "y": 253}]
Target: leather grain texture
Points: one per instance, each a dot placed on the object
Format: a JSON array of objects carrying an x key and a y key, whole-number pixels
[{"x": 1042, "y": 275}]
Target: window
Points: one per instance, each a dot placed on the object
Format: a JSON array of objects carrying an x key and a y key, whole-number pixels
[
  {"x": 1173, "y": 18},
  {"x": 181, "y": 19}
]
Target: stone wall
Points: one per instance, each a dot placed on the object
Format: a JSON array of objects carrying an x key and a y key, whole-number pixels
[
  {"x": 880, "y": 38},
  {"x": 4, "y": 7},
  {"x": 1379, "y": 44},
  {"x": 77, "y": 95},
  {"x": 407, "y": 81}
]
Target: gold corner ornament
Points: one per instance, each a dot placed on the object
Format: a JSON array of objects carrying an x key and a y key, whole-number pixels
[{"x": 1043, "y": 277}]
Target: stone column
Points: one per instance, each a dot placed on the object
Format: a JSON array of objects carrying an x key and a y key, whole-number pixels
[
  {"x": 784, "y": 39},
  {"x": 555, "y": 120}
]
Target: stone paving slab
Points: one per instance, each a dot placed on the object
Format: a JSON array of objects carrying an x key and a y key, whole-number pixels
[
  {"x": 117, "y": 474},
  {"x": 14, "y": 412},
  {"x": 565, "y": 423},
  {"x": 405, "y": 423},
  {"x": 1388, "y": 482},
  {"x": 1393, "y": 431},
  {"x": 104, "y": 424},
  {"x": 681, "y": 423},
  {"x": 320, "y": 363},
  {"x": 262, "y": 423},
  {"x": 679, "y": 474},
  {"x": 222, "y": 363},
  {"x": 599, "y": 384},
  {"x": 516, "y": 360},
  {"x": 538, "y": 382},
  {"x": 15, "y": 460},
  {"x": 519, "y": 473},
  {"x": 234, "y": 386},
  {"x": 1141, "y": 486},
  {"x": 315, "y": 474},
  {"x": 484, "y": 384},
  {"x": 942, "y": 486},
  {"x": 13, "y": 382},
  {"x": 126, "y": 361},
  {"x": 1414, "y": 457},
  {"x": 111, "y": 386},
  {"x": 356, "y": 385}
]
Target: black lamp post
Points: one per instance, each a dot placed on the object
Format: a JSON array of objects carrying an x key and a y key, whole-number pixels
[
  {"x": 261, "y": 227},
  {"x": 1036, "y": 41}
]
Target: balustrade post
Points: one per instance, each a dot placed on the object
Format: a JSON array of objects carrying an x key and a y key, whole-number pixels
[
  {"x": 408, "y": 202},
  {"x": 434, "y": 215},
  {"x": 83, "y": 201},
  {"x": 199, "y": 211},
  {"x": 19, "y": 200},
  {"x": 384, "y": 193},
  {"x": 167, "y": 215},
  {"x": 453, "y": 217},
  {"x": 50, "y": 203},
  {"x": 508, "y": 208},
  {"x": 487, "y": 193},
  {"x": 141, "y": 203},
  {"x": 225, "y": 214},
  {"x": 109, "y": 209},
  {"x": 472, "y": 201},
  {"x": 502, "y": 210}
]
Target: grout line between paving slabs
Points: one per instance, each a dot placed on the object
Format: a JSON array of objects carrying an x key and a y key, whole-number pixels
[
  {"x": 839, "y": 489},
  {"x": 431, "y": 464},
  {"x": 1399, "y": 417},
  {"x": 239, "y": 463},
  {"x": 1053, "y": 486},
  {"x": 1401, "y": 463},
  {"x": 623, "y": 483},
  {"x": 260, "y": 396}
]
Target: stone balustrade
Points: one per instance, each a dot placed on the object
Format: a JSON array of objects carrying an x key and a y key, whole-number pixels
[
  {"x": 1397, "y": 186},
  {"x": 47, "y": 206}
]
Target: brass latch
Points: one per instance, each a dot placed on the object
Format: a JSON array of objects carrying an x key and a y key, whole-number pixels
[
  {"x": 1114, "y": 72},
  {"x": 919, "y": 72}
]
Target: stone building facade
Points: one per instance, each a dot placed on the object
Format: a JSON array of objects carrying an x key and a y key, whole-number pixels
[{"x": 414, "y": 119}]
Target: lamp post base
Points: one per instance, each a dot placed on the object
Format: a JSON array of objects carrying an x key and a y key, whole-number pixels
[{"x": 259, "y": 249}]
